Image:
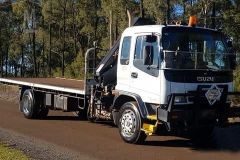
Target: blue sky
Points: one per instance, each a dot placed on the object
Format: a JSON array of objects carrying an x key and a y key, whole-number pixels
[{"x": 178, "y": 9}]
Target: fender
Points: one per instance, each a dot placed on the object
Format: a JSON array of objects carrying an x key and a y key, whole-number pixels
[{"x": 123, "y": 97}]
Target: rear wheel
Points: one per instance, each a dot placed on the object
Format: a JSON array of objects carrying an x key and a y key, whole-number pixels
[
  {"x": 43, "y": 112},
  {"x": 28, "y": 105},
  {"x": 130, "y": 124},
  {"x": 33, "y": 107}
]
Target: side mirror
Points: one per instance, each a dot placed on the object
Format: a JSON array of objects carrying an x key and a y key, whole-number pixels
[
  {"x": 232, "y": 56},
  {"x": 230, "y": 44},
  {"x": 233, "y": 63},
  {"x": 148, "y": 55},
  {"x": 151, "y": 39}
]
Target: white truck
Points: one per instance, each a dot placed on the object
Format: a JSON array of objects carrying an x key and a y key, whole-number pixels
[{"x": 178, "y": 77}]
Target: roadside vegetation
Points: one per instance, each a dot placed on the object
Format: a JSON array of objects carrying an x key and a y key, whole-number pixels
[{"x": 7, "y": 153}]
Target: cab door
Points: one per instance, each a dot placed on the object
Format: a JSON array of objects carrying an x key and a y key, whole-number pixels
[
  {"x": 123, "y": 71},
  {"x": 145, "y": 66}
]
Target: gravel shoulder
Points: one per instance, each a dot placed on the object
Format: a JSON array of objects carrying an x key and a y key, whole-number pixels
[{"x": 38, "y": 149}]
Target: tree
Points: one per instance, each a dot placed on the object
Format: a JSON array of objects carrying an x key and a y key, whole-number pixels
[{"x": 61, "y": 31}]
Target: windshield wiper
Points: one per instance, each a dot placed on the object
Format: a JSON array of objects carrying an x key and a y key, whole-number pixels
[
  {"x": 212, "y": 68},
  {"x": 152, "y": 67}
]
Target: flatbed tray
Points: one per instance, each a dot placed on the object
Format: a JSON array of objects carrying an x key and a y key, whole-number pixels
[{"x": 58, "y": 84}]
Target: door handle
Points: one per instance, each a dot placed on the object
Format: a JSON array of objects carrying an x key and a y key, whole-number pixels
[{"x": 134, "y": 75}]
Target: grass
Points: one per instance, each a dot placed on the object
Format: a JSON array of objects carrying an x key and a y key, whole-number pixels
[{"x": 7, "y": 153}]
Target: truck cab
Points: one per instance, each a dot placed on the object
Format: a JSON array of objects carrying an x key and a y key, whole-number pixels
[
  {"x": 156, "y": 61},
  {"x": 178, "y": 76}
]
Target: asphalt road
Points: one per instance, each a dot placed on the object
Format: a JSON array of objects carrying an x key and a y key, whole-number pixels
[{"x": 102, "y": 141}]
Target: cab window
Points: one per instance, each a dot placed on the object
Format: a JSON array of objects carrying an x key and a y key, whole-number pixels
[{"x": 125, "y": 52}]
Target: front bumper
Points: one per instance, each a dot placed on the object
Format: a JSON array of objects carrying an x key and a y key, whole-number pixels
[{"x": 199, "y": 110}]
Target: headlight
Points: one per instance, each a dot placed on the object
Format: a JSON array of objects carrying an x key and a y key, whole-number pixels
[{"x": 180, "y": 99}]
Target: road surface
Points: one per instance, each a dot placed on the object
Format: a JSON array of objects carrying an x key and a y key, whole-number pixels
[{"x": 102, "y": 141}]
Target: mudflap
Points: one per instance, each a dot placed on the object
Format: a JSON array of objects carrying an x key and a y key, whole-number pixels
[{"x": 164, "y": 113}]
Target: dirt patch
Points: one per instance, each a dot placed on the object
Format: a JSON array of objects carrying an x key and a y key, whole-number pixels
[
  {"x": 9, "y": 93},
  {"x": 37, "y": 149}
]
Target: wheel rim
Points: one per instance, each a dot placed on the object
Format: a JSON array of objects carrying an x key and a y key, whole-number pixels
[
  {"x": 128, "y": 123},
  {"x": 26, "y": 105}
]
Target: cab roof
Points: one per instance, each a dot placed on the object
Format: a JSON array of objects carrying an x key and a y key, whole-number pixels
[{"x": 158, "y": 29}]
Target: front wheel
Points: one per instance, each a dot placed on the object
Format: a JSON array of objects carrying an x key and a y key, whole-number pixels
[
  {"x": 81, "y": 114},
  {"x": 130, "y": 124},
  {"x": 203, "y": 136}
]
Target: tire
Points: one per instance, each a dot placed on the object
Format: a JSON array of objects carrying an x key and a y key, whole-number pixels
[
  {"x": 28, "y": 105},
  {"x": 43, "y": 113},
  {"x": 130, "y": 123},
  {"x": 81, "y": 114},
  {"x": 203, "y": 136}
]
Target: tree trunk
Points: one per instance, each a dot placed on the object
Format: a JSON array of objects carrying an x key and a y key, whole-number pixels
[
  {"x": 2, "y": 64},
  {"x": 22, "y": 62},
  {"x": 110, "y": 28},
  {"x": 50, "y": 51},
  {"x": 50, "y": 45},
  {"x": 184, "y": 11},
  {"x": 116, "y": 30},
  {"x": 34, "y": 54},
  {"x": 64, "y": 38},
  {"x": 214, "y": 15},
  {"x": 15, "y": 70},
  {"x": 74, "y": 28},
  {"x": 42, "y": 66},
  {"x": 168, "y": 11},
  {"x": 1, "y": 53},
  {"x": 141, "y": 9},
  {"x": 95, "y": 32},
  {"x": 6, "y": 62}
]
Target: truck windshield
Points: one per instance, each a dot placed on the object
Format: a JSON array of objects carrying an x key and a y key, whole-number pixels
[{"x": 194, "y": 48}]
